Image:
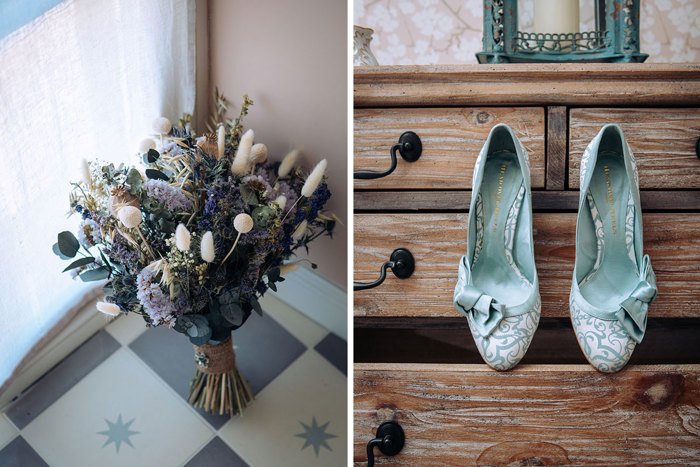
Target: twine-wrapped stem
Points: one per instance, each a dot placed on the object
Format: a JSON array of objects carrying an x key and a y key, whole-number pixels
[{"x": 218, "y": 386}]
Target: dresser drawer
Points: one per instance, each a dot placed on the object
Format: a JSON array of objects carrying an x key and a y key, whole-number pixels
[
  {"x": 437, "y": 242},
  {"x": 532, "y": 415},
  {"x": 451, "y": 139},
  {"x": 663, "y": 142}
]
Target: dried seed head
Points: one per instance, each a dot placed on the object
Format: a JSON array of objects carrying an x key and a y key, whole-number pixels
[
  {"x": 207, "y": 248},
  {"x": 243, "y": 223},
  {"x": 240, "y": 162},
  {"x": 162, "y": 126},
  {"x": 287, "y": 163},
  {"x": 146, "y": 144},
  {"x": 130, "y": 216},
  {"x": 209, "y": 144},
  {"x": 221, "y": 140},
  {"x": 182, "y": 237},
  {"x": 300, "y": 231},
  {"x": 314, "y": 179},
  {"x": 258, "y": 154},
  {"x": 121, "y": 197},
  {"x": 109, "y": 309}
]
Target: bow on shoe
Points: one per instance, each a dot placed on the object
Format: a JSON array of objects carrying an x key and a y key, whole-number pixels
[
  {"x": 485, "y": 311},
  {"x": 632, "y": 314}
]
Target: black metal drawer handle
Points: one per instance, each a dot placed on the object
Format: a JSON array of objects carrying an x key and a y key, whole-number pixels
[
  {"x": 697, "y": 148},
  {"x": 401, "y": 263},
  {"x": 410, "y": 148},
  {"x": 390, "y": 440}
]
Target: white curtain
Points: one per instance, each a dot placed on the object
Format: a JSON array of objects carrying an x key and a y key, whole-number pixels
[{"x": 84, "y": 80}]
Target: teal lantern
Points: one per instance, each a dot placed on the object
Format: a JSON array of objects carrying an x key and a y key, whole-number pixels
[{"x": 615, "y": 38}]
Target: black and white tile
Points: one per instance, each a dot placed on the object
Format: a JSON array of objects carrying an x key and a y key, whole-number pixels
[{"x": 119, "y": 399}]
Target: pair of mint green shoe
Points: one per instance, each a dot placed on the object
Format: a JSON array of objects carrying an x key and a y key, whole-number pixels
[{"x": 613, "y": 282}]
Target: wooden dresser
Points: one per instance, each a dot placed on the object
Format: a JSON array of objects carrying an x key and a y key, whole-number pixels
[{"x": 416, "y": 362}]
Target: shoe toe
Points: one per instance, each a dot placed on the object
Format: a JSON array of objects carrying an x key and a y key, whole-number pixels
[
  {"x": 507, "y": 344},
  {"x": 606, "y": 345}
]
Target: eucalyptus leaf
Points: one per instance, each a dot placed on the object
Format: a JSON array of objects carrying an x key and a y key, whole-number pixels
[
  {"x": 152, "y": 155},
  {"x": 68, "y": 245},
  {"x": 58, "y": 252},
  {"x": 133, "y": 178},
  {"x": 156, "y": 174},
  {"x": 95, "y": 274},
  {"x": 248, "y": 195},
  {"x": 166, "y": 226},
  {"x": 273, "y": 274},
  {"x": 256, "y": 305},
  {"x": 233, "y": 313},
  {"x": 108, "y": 289},
  {"x": 80, "y": 262},
  {"x": 104, "y": 259},
  {"x": 200, "y": 327},
  {"x": 200, "y": 340},
  {"x": 182, "y": 323}
]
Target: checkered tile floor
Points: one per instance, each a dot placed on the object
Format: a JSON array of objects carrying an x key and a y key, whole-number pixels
[{"x": 118, "y": 400}]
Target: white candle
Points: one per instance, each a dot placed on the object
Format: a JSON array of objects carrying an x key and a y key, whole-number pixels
[{"x": 556, "y": 16}]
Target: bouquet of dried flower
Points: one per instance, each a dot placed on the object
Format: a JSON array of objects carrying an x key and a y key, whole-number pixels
[{"x": 194, "y": 238}]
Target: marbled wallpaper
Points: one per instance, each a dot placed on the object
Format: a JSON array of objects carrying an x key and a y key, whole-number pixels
[{"x": 416, "y": 32}]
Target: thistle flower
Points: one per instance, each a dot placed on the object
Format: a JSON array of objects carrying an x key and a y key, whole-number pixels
[
  {"x": 287, "y": 163},
  {"x": 162, "y": 126},
  {"x": 182, "y": 237},
  {"x": 209, "y": 144},
  {"x": 300, "y": 231},
  {"x": 243, "y": 223},
  {"x": 109, "y": 309},
  {"x": 281, "y": 201},
  {"x": 207, "y": 248},
  {"x": 314, "y": 179},
  {"x": 221, "y": 140},
  {"x": 146, "y": 144},
  {"x": 240, "y": 162},
  {"x": 130, "y": 216},
  {"x": 258, "y": 154},
  {"x": 287, "y": 268}
]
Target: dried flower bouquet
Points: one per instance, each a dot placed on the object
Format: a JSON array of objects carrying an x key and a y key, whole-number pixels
[{"x": 196, "y": 237}]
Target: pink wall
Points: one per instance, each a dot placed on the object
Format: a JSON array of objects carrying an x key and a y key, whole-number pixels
[{"x": 290, "y": 58}]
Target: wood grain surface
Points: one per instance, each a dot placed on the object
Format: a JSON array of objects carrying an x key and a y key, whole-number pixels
[
  {"x": 438, "y": 240},
  {"x": 648, "y": 84},
  {"x": 556, "y": 148},
  {"x": 532, "y": 415},
  {"x": 458, "y": 200},
  {"x": 451, "y": 138},
  {"x": 662, "y": 141}
]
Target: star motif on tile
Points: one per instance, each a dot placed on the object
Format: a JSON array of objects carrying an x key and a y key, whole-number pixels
[
  {"x": 315, "y": 436},
  {"x": 118, "y": 432}
]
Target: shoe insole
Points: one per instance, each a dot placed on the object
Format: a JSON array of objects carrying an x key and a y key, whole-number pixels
[
  {"x": 616, "y": 274},
  {"x": 491, "y": 272}
]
